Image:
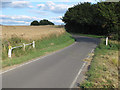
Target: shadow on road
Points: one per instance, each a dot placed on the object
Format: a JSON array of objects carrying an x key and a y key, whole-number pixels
[{"x": 86, "y": 39}]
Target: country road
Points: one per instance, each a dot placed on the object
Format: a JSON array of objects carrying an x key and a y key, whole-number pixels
[{"x": 57, "y": 70}]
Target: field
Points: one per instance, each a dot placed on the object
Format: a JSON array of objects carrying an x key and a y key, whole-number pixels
[
  {"x": 30, "y": 32},
  {"x": 47, "y": 39}
]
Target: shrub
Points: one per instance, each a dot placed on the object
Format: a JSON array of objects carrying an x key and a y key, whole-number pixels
[
  {"x": 35, "y": 23},
  {"x": 42, "y": 22},
  {"x": 45, "y": 22}
]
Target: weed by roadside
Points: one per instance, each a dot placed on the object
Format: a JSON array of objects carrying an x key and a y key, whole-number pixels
[
  {"x": 103, "y": 71},
  {"x": 46, "y": 45}
]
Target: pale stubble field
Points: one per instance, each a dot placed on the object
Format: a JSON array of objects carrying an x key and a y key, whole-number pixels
[{"x": 31, "y": 32}]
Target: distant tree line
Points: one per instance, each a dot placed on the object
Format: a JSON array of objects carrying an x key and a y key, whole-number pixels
[
  {"x": 102, "y": 18},
  {"x": 42, "y": 22}
]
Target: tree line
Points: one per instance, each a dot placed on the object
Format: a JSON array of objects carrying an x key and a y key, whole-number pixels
[
  {"x": 41, "y": 22},
  {"x": 102, "y": 18}
]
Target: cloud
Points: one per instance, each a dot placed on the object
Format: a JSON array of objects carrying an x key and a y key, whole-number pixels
[
  {"x": 57, "y": 20},
  {"x": 21, "y": 4},
  {"x": 56, "y": 8},
  {"x": 16, "y": 4},
  {"x": 21, "y": 19},
  {"x": 38, "y": 12},
  {"x": 87, "y": 0},
  {"x": 25, "y": 20},
  {"x": 12, "y": 22}
]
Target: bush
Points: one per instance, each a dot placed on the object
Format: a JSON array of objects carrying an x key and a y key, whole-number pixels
[
  {"x": 35, "y": 23},
  {"x": 42, "y": 22},
  {"x": 45, "y": 22}
]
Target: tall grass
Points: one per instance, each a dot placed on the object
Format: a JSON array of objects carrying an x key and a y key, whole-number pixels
[
  {"x": 17, "y": 35},
  {"x": 30, "y": 32},
  {"x": 103, "y": 72},
  {"x": 43, "y": 46}
]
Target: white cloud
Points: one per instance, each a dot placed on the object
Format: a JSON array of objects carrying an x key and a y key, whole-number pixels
[
  {"x": 20, "y": 4},
  {"x": 20, "y": 19},
  {"x": 38, "y": 12},
  {"x": 57, "y": 20},
  {"x": 56, "y": 8},
  {"x": 14, "y": 22},
  {"x": 16, "y": 4},
  {"x": 41, "y": 6},
  {"x": 87, "y": 0},
  {"x": 25, "y": 20}
]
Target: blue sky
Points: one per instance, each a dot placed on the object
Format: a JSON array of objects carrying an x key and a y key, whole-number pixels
[{"x": 23, "y": 12}]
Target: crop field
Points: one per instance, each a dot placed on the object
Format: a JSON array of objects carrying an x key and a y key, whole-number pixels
[
  {"x": 31, "y": 32},
  {"x": 47, "y": 39}
]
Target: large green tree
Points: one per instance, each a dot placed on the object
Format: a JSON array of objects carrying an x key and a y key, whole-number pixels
[
  {"x": 82, "y": 18},
  {"x": 101, "y": 18},
  {"x": 111, "y": 14}
]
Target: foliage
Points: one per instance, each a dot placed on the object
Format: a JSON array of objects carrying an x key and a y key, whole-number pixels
[
  {"x": 110, "y": 15},
  {"x": 99, "y": 19},
  {"x": 44, "y": 46},
  {"x": 42, "y": 22},
  {"x": 45, "y": 22},
  {"x": 35, "y": 23},
  {"x": 103, "y": 70}
]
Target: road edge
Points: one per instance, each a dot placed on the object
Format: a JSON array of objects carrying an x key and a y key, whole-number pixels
[{"x": 33, "y": 60}]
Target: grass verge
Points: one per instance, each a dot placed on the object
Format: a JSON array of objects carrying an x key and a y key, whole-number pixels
[
  {"x": 103, "y": 71},
  {"x": 43, "y": 47}
]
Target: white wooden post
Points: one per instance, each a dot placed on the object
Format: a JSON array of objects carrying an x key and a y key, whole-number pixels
[
  {"x": 24, "y": 46},
  {"x": 33, "y": 44},
  {"x": 106, "y": 41},
  {"x": 10, "y": 52}
]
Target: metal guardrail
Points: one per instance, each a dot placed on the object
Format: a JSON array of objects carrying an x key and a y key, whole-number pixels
[
  {"x": 17, "y": 47},
  {"x": 11, "y": 48}
]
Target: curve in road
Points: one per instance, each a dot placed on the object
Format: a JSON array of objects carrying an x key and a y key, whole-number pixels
[{"x": 57, "y": 70}]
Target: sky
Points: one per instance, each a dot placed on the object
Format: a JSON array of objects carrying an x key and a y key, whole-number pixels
[{"x": 23, "y": 12}]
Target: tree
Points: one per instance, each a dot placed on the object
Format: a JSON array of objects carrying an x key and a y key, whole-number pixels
[
  {"x": 42, "y": 22},
  {"x": 34, "y": 23},
  {"x": 45, "y": 22},
  {"x": 110, "y": 13},
  {"x": 81, "y": 18},
  {"x": 101, "y": 18}
]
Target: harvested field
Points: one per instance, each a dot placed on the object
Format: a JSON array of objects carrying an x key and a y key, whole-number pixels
[{"x": 31, "y": 32}]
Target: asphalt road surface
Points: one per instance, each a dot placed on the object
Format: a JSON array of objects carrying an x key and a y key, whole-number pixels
[{"x": 57, "y": 70}]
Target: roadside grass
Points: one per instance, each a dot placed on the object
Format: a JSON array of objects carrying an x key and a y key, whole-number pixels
[
  {"x": 43, "y": 47},
  {"x": 103, "y": 71}
]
